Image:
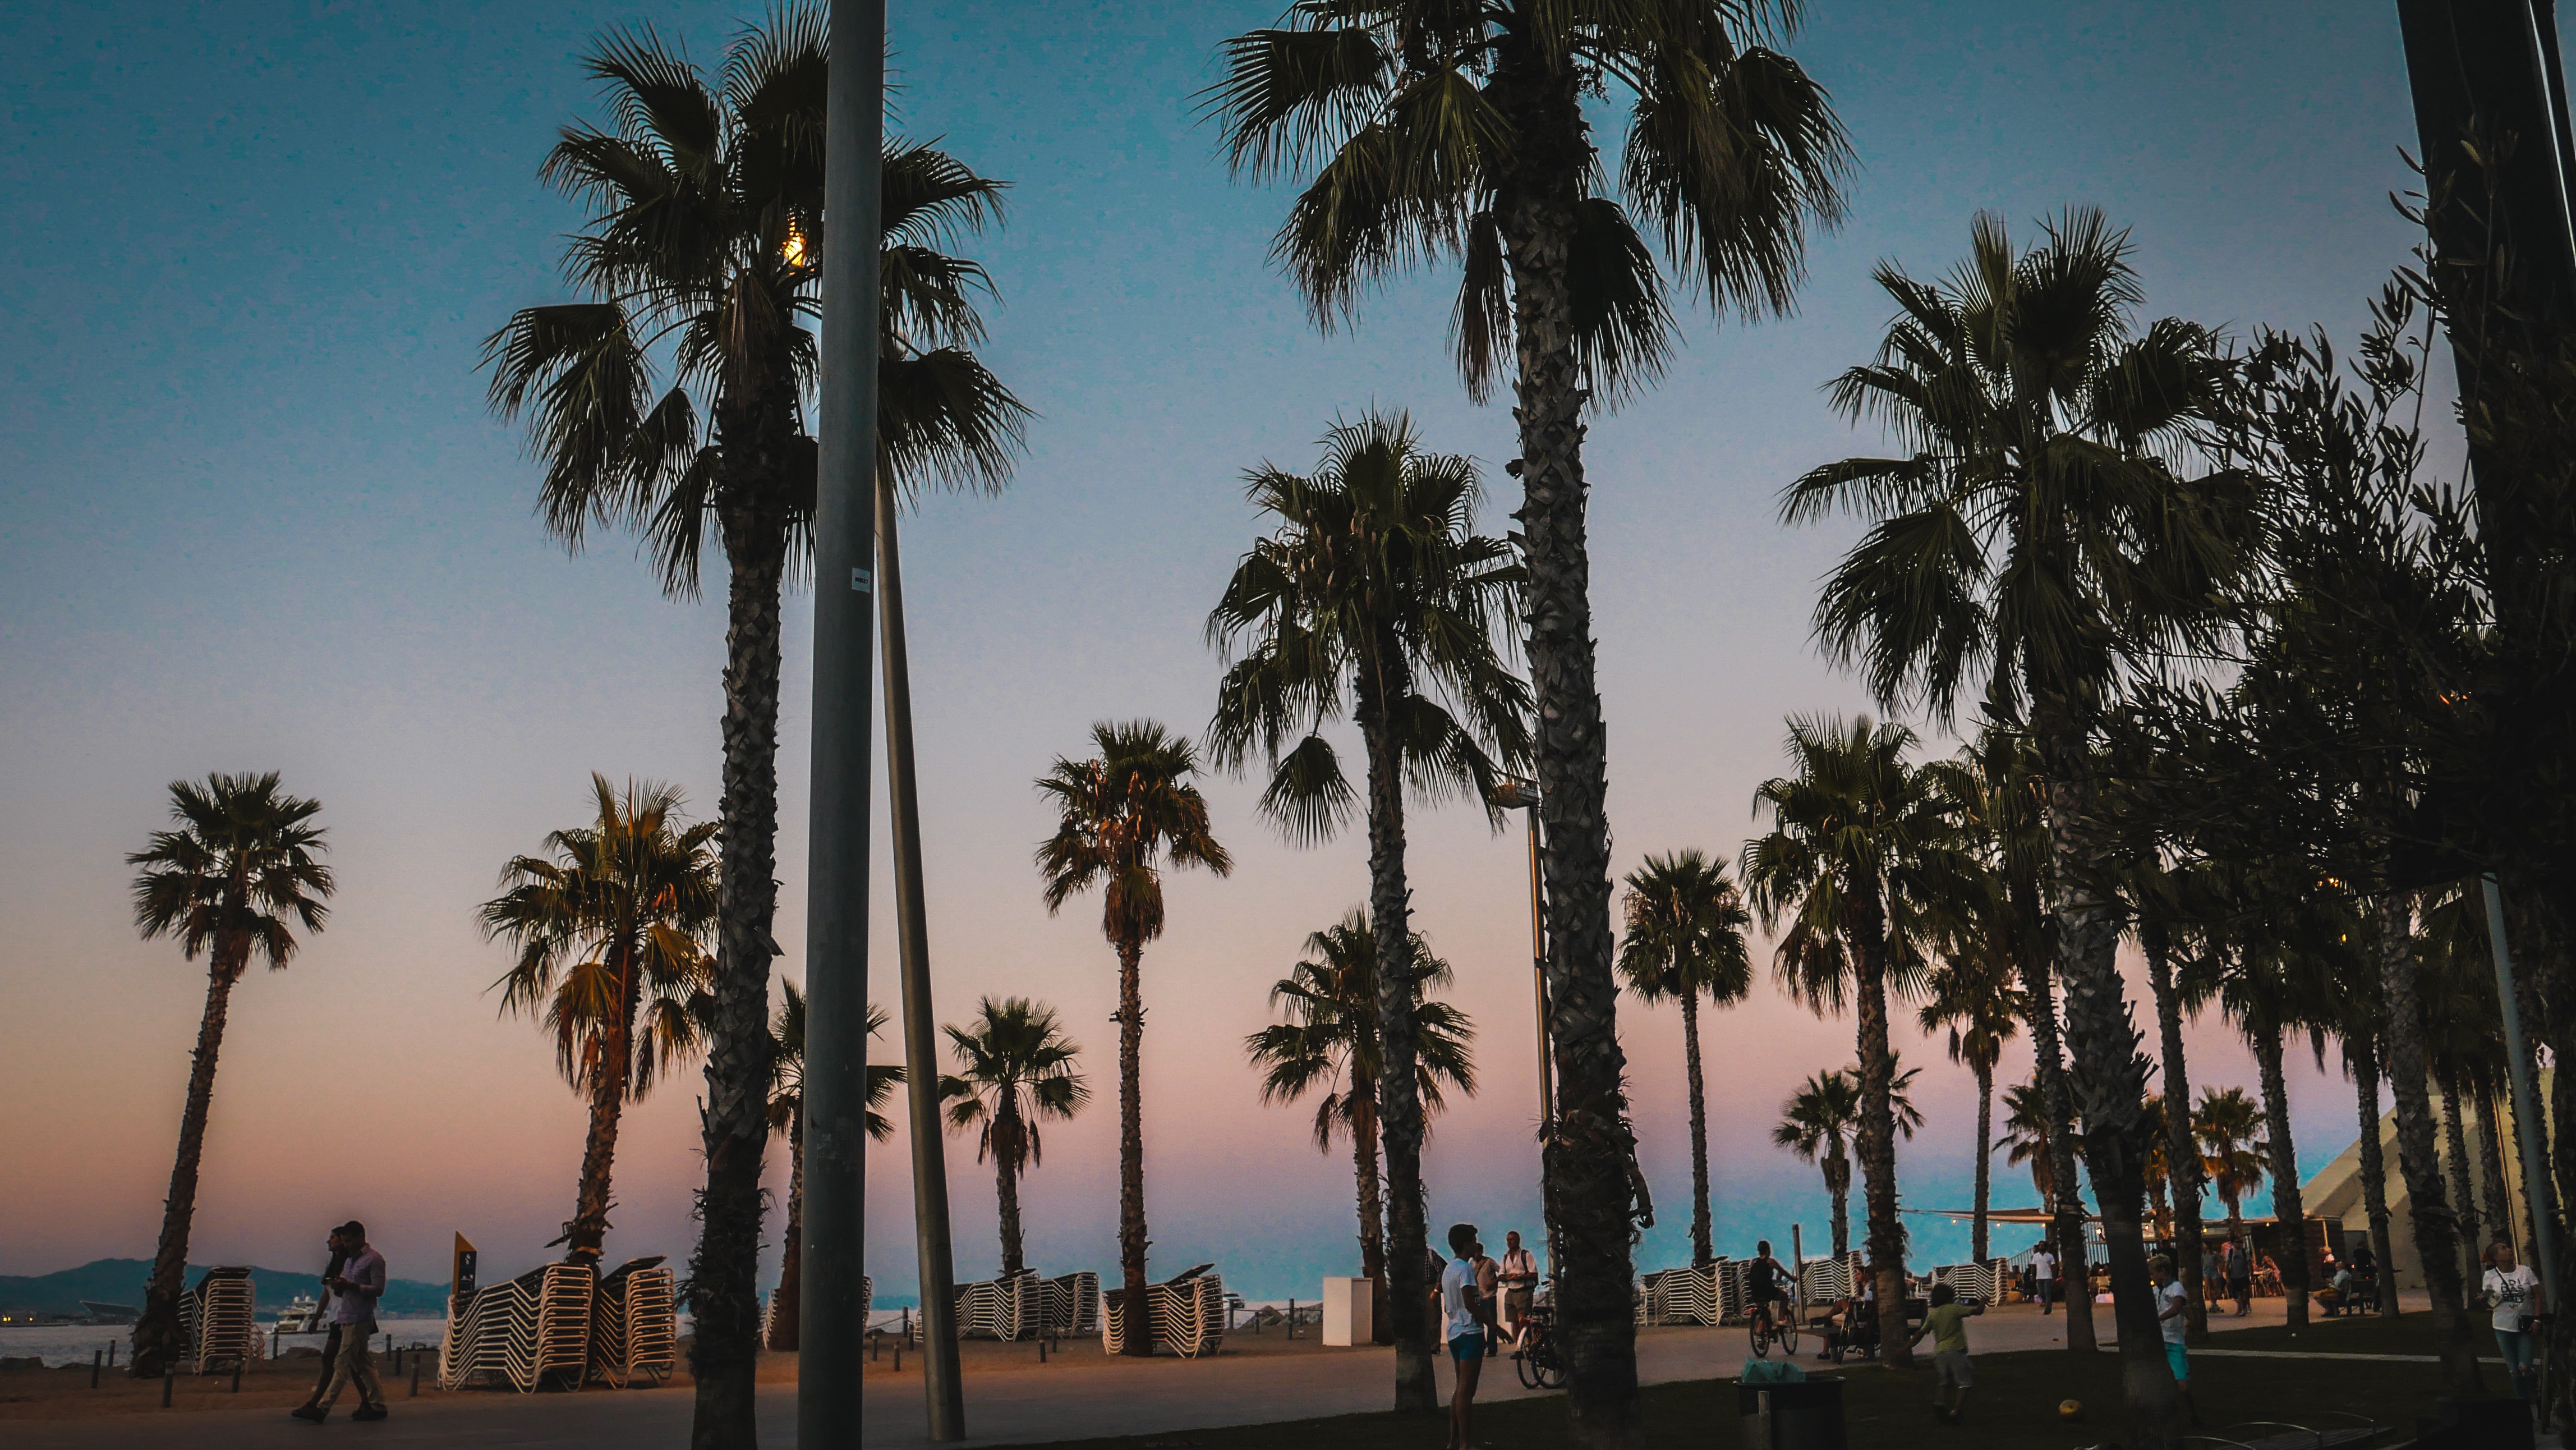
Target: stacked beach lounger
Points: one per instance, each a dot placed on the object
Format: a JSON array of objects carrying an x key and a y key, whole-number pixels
[
  {"x": 1686, "y": 1295},
  {"x": 1003, "y": 1308},
  {"x": 535, "y": 1325},
  {"x": 1189, "y": 1314},
  {"x": 1978, "y": 1282},
  {"x": 635, "y": 1323},
  {"x": 1070, "y": 1303},
  {"x": 218, "y": 1315},
  {"x": 1824, "y": 1280}
]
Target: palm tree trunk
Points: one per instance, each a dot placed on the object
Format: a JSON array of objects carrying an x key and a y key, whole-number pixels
[
  {"x": 587, "y": 1234},
  {"x": 1591, "y": 1151},
  {"x": 160, "y": 1338},
  {"x": 1977, "y": 1235},
  {"x": 1702, "y": 1254},
  {"x": 2109, "y": 1075},
  {"x": 1137, "y": 1301},
  {"x": 1838, "y": 1183},
  {"x": 2361, "y": 1058},
  {"x": 2418, "y": 1159},
  {"x": 2498, "y": 1210},
  {"x": 724, "y": 1274},
  {"x": 2182, "y": 1158},
  {"x": 1006, "y": 1177},
  {"x": 1877, "y": 1143},
  {"x": 787, "y": 1300},
  {"x": 1382, "y": 695},
  {"x": 2287, "y": 1212},
  {"x": 2455, "y": 1155},
  {"x": 1372, "y": 1208},
  {"x": 2048, "y": 1059}
]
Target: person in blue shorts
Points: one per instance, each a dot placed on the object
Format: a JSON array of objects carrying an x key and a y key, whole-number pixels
[
  {"x": 1466, "y": 1321},
  {"x": 2173, "y": 1303}
]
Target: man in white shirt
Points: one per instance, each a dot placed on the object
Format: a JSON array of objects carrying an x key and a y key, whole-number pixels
[
  {"x": 2173, "y": 1305},
  {"x": 1520, "y": 1285},
  {"x": 1465, "y": 1318},
  {"x": 2514, "y": 1292},
  {"x": 2043, "y": 1277}
]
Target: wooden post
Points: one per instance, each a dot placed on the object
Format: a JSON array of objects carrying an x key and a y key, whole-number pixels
[
  {"x": 169, "y": 1380},
  {"x": 1292, "y": 1319},
  {"x": 111, "y": 1354},
  {"x": 237, "y": 1369},
  {"x": 94, "y": 1357},
  {"x": 415, "y": 1376}
]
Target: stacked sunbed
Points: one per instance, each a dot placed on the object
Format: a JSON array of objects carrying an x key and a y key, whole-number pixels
[
  {"x": 1070, "y": 1303},
  {"x": 1978, "y": 1282},
  {"x": 521, "y": 1330},
  {"x": 1004, "y": 1308},
  {"x": 217, "y": 1314},
  {"x": 1821, "y": 1281},
  {"x": 1188, "y": 1314},
  {"x": 1686, "y": 1295},
  {"x": 634, "y": 1323}
]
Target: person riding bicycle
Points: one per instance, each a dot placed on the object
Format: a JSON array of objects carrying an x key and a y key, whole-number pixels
[{"x": 1766, "y": 1286}]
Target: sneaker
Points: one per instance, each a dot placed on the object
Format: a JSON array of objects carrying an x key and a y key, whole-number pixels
[
  {"x": 370, "y": 1412},
  {"x": 309, "y": 1414}
]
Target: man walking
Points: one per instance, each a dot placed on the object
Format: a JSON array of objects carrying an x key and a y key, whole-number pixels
[
  {"x": 2043, "y": 1276},
  {"x": 359, "y": 1284},
  {"x": 2240, "y": 1274},
  {"x": 1466, "y": 1316},
  {"x": 1520, "y": 1285},
  {"x": 339, "y": 1251},
  {"x": 2172, "y": 1301}
]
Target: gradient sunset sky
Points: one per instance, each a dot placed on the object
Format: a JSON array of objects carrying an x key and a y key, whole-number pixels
[{"x": 254, "y": 515}]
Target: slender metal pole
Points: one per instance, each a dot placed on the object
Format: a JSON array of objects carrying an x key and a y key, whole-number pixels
[
  {"x": 1538, "y": 978},
  {"x": 939, "y": 1381},
  {"x": 833, "y": 1312},
  {"x": 2526, "y": 1097}
]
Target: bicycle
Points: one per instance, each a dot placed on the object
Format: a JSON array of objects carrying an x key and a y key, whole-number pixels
[
  {"x": 1784, "y": 1332},
  {"x": 1536, "y": 1361}
]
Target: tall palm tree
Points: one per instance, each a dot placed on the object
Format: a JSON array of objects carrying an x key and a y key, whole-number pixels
[
  {"x": 610, "y": 931},
  {"x": 787, "y": 1115},
  {"x": 2272, "y": 989},
  {"x": 1820, "y": 1118},
  {"x": 1685, "y": 941},
  {"x": 1973, "y": 995},
  {"x": 2233, "y": 1152},
  {"x": 2036, "y": 431},
  {"x": 2030, "y": 1137},
  {"x": 1430, "y": 128},
  {"x": 699, "y": 266},
  {"x": 1373, "y": 595},
  {"x": 1015, "y": 1071},
  {"x": 232, "y": 882},
  {"x": 1330, "y": 1040},
  {"x": 1861, "y": 855},
  {"x": 1122, "y": 817}
]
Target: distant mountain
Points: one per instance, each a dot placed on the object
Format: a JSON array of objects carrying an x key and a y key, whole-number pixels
[{"x": 120, "y": 1281}]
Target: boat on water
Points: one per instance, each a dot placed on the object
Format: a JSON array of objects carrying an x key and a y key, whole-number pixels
[
  {"x": 301, "y": 1316},
  {"x": 108, "y": 1313}
]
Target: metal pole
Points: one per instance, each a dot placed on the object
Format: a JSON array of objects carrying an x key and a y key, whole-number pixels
[
  {"x": 1538, "y": 975},
  {"x": 939, "y": 1381},
  {"x": 2526, "y": 1097},
  {"x": 832, "y": 1312}
]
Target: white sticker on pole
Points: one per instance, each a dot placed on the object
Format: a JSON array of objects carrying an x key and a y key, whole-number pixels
[{"x": 859, "y": 581}]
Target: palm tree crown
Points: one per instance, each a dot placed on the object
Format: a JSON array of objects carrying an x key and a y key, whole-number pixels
[
  {"x": 1331, "y": 1036},
  {"x": 238, "y": 876},
  {"x": 1015, "y": 1067},
  {"x": 1120, "y": 815},
  {"x": 2229, "y": 1126},
  {"x": 1685, "y": 931}
]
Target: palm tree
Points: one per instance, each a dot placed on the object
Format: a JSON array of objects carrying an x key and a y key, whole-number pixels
[
  {"x": 2035, "y": 481},
  {"x": 705, "y": 198},
  {"x": 610, "y": 931},
  {"x": 2272, "y": 989},
  {"x": 1974, "y": 996},
  {"x": 1437, "y": 128},
  {"x": 787, "y": 1115},
  {"x": 2030, "y": 1137},
  {"x": 1330, "y": 1040},
  {"x": 1016, "y": 1070},
  {"x": 1121, "y": 817},
  {"x": 1818, "y": 1121},
  {"x": 2233, "y": 1153},
  {"x": 1685, "y": 941},
  {"x": 232, "y": 882},
  {"x": 1372, "y": 595},
  {"x": 2159, "y": 1172},
  {"x": 1860, "y": 856}
]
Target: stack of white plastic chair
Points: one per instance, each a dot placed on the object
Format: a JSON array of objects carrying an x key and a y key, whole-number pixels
[
  {"x": 1188, "y": 1314},
  {"x": 521, "y": 1330},
  {"x": 635, "y": 1323},
  {"x": 218, "y": 1315},
  {"x": 1070, "y": 1304}
]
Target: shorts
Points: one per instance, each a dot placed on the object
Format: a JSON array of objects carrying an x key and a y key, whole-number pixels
[
  {"x": 1467, "y": 1346},
  {"x": 1951, "y": 1368},
  {"x": 1516, "y": 1304},
  {"x": 2240, "y": 1288},
  {"x": 2178, "y": 1359}
]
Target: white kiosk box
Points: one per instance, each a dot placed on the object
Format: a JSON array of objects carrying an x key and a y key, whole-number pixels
[{"x": 1348, "y": 1317}]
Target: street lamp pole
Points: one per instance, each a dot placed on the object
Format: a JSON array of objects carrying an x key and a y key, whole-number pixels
[
  {"x": 1515, "y": 794},
  {"x": 2526, "y": 1098}
]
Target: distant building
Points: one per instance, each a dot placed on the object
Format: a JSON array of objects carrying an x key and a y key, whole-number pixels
[{"x": 2335, "y": 1190}]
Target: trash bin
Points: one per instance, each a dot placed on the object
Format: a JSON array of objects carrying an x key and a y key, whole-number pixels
[
  {"x": 1802, "y": 1416},
  {"x": 1347, "y": 1317}
]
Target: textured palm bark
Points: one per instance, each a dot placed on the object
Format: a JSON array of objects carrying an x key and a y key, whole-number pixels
[
  {"x": 160, "y": 1337},
  {"x": 2418, "y": 1160},
  {"x": 1702, "y": 1252},
  {"x": 1838, "y": 1184},
  {"x": 2361, "y": 1059},
  {"x": 786, "y": 1302},
  {"x": 1590, "y": 1153},
  {"x": 1372, "y": 1207},
  {"x": 1137, "y": 1298},
  {"x": 1876, "y": 1133},
  {"x": 1006, "y": 1180},
  {"x": 2455, "y": 1161},
  {"x": 2288, "y": 1211},
  {"x": 2109, "y": 1080},
  {"x": 1384, "y": 688},
  {"x": 724, "y": 1292},
  {"x": 2048, "y": 1060},
  {"x": 587, "y": 1234},
  {"x": 2182, "y": 1158},
  {"x": 1978, "y": 1237},
  {"x": 2492, "y": 1205}
]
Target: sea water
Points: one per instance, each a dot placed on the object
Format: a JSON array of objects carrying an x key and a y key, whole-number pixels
[{"x": 59, "y": 1344}]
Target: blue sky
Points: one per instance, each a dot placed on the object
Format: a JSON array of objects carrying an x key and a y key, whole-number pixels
[{"x": 254, "y": 514}]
